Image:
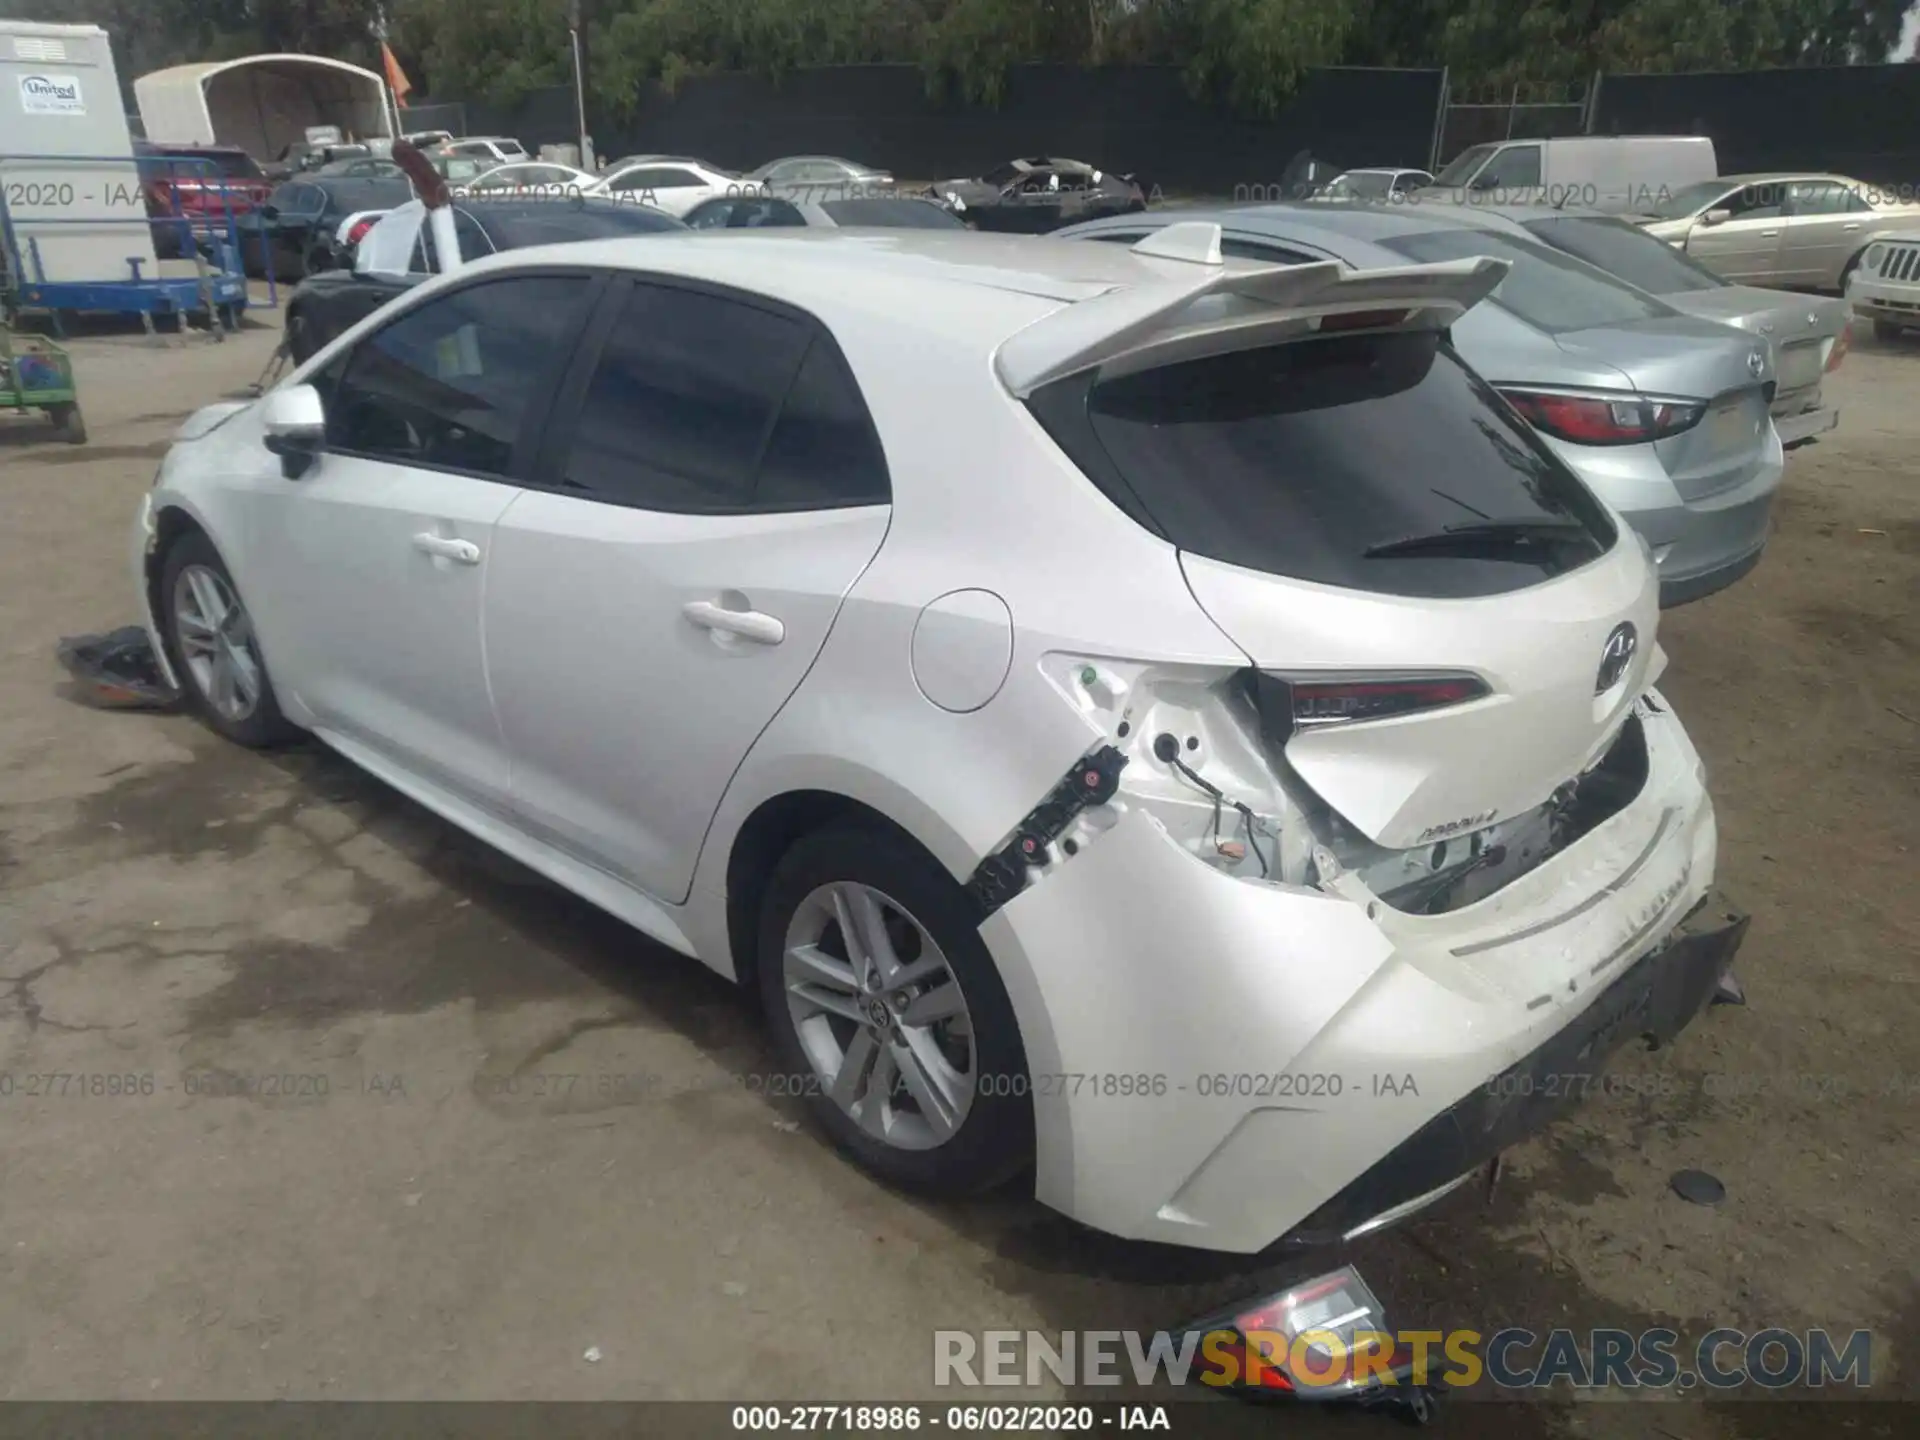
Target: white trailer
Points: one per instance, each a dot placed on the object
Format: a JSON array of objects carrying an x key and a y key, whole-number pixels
[
  {"x": 67, "y": 172},
  {"x": 262, "y": 103}
]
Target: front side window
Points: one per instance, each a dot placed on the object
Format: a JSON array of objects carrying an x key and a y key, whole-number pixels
[
  {"x": 1757, "y": 202},
  {"x": 1513, "y": 168},
  {"x": 450, "y": 384}
]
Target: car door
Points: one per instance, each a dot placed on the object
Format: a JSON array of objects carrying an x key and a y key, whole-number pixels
[
  {"x": 380, "y": 551},
  {"x": 1744, "y": 248},
  {"x": 711, "y": 490},
  {"x": 1826, "y": 226}
]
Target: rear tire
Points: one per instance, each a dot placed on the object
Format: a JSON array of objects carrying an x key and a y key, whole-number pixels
[
  {"x": 947, "y": 1019},
  {"x": 213, "y": 650}
]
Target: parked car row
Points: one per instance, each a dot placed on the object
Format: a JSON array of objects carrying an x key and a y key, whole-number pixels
[{"x": 1195, "y": 653}]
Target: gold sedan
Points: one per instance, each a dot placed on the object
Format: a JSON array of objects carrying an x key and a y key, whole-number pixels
[{"x": 1791, "y": 230}]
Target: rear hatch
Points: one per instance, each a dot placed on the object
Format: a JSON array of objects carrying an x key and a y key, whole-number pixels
[
  {"x": 1446, "y": 622},
  {"x": 1679, "y": 357}
]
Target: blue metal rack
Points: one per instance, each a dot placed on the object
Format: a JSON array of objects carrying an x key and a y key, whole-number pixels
[{"x": 217, "y": 290}]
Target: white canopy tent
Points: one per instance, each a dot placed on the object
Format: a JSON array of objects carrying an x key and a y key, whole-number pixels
[{"x": 262, "y": 103}]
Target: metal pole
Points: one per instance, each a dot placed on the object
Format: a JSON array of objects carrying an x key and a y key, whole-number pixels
[
  {"x": 579, "y": 80},
  {"x": 1440, "y": 119},
  {"x": 1513, "y": 107},
  {"x": 1593, "y": 101}
]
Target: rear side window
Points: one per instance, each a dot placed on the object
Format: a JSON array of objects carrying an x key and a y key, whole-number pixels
[
  {"x": 681, "y": 401},
  {"x": 702, "y": 404},
  {"x": 823, "y": 451},
  {"x": 1299, "y": 459},
  {"x": 1628, "y": 252},
  {"x": 1549, "y": 290}
]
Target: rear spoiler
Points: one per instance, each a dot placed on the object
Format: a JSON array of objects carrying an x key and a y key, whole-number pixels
[{"x": 1136, "y": 322}]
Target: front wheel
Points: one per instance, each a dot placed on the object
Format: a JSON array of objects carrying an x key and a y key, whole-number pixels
[
  {"x": 888, "y": 1016},
  {"x": 1887, "y": 331},
  {"x": 214, "y": 650}
]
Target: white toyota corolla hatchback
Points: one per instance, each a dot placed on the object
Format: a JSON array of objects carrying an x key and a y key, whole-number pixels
[{"x": 1158, "y": 720}]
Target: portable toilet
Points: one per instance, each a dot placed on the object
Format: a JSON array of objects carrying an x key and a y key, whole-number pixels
[{"x": 68, "y": 178}]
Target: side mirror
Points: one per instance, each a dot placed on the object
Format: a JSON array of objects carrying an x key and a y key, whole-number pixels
[
  {"x": 296, "y": 427},
  {"x": 1716, "y": 217},
  {"x": 1485, "y": 180},
  {"x": 269, "y": 211}
]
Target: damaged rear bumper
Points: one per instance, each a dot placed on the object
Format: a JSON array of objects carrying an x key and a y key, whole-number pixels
[
  {"x": 1654, "y": 1001},
  {"x": 1220, "y": 1063}
]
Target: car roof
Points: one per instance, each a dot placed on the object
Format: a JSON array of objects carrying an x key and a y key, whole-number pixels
[
  {"x": 1772, "y": 177},
  {"x": 823, "y": 269}
]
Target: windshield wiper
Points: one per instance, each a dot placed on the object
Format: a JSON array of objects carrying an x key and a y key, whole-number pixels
[{"x": 1480, "y": 535}]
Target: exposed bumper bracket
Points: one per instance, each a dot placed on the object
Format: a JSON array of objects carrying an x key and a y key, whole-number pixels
[{"x": 1654, "y": 1000}]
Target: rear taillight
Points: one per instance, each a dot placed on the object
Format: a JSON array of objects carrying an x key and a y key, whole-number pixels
[
  {"x": 162, "y": 193},
  {"x": 1839, "y": 351},
  {"x": 1605, "y": 419},
  {"x": 360, "y": 228},
  {"x": 1291, "y": 703}
]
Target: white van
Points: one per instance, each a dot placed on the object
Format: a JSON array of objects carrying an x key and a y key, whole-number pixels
[{"x": 1620, "y": 174}]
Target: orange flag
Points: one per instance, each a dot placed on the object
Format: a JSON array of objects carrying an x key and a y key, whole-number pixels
[{"x": 396, "y": 77}]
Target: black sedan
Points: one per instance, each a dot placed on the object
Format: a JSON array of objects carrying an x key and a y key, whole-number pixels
[
  {"x": 293, "y": 231},
  {"x": 1042, "y": 193},
  {"x": 397, "y": 254}
]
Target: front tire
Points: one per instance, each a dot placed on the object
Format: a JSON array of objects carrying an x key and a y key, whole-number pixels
[
  {"x": 213, "y": 649},
  {"x": 1887, "y": 331},
  {"x": 888, "y": 1015}
]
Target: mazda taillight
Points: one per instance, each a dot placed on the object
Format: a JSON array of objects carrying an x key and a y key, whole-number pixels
[
  {"x": 360, "y": 228},
  {"x": 1839, "y": 351},
  {"x": 1603, "y": 418},
  {"x": 1290, "y": 703}
]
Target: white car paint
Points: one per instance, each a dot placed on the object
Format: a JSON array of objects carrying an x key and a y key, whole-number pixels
[
  {"x": 675, "y": 186},
  {"x": 611, "y": 695}
]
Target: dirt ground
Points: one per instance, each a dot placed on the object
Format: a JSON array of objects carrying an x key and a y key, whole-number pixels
[{"x": 426, "y": 1208}]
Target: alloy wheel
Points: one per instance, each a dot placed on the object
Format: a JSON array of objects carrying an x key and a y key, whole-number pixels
[
  {"x": 216, "y": 642},
  {"x": 880, "y": 1016}
]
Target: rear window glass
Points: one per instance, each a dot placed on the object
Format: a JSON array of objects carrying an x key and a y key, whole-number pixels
[
  {"x": 1298, "y": 459},
  {"x": 896, "y": 214},
  {"x": 1549, "y": 290},
  {"x": 1628, "y": 252}
]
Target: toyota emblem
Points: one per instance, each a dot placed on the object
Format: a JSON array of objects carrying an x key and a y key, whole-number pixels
[
  {"x": 1616, "y": 657},
  {"x": 1757, "y": 363}
]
